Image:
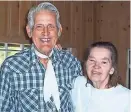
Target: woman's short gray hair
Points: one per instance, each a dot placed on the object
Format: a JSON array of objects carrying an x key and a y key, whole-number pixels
[{"x": 42, "y": 6}]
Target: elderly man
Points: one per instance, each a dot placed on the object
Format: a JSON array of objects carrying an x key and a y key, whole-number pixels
[{"x": 39, "y": 79}]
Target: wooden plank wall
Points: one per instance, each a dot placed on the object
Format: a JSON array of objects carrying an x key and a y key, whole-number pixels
[{"x": 83, "y": 22}]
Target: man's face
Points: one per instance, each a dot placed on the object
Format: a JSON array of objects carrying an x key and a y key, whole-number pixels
[{"x": 45, "y": 32}]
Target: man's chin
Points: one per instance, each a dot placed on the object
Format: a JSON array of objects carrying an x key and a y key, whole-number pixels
[{"x": 46, "y": 51}]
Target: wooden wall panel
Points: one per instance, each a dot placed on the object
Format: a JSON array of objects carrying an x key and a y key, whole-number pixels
[
  {"x": 88, "y": 24},
  {"x": 76, "y": 27},
  {"x": 65, "y": 39},
  {"x": 4, "y": 20},
  {"x": 14, "y": 21},
  {"x": 12, "y": 30},
  {"x": 24, "y": 6}
]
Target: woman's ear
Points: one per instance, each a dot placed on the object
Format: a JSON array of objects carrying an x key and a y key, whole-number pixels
[
  {"x": 28, "y": 30},
  {"x": 111, "y": 71}
]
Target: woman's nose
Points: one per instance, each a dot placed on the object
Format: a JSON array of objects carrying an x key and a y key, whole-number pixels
[{"x": 96, "y": 65}]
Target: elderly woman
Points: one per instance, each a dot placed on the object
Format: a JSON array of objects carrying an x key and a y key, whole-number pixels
[{"x": 100, "y": 91}]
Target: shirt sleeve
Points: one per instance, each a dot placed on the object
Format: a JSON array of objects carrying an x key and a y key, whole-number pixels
[
  {"x": 5, "y": 91},
  {"x": 74, "y": 95},
  {"x": 78, "y": 69},
  {"x": 128, "y": 109}
]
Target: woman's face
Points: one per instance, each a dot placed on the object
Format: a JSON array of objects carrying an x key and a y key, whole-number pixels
[{"x": 99, "y": 65}]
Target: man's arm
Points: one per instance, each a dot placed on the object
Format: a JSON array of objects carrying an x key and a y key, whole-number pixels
[{"x": 5, "y": 91}]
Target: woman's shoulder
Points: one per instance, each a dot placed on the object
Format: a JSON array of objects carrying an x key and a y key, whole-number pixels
[
  {"x": 123, "y": 92},
  {"x": 80, "y": 81},
  {"x": 123, "y": 89}
]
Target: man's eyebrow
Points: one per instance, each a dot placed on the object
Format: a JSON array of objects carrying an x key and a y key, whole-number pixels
[{"x": 39, "y": 24}]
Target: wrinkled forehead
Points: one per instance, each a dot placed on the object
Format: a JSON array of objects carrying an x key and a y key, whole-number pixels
[
  {"x": 100, "y": 52},
  {"x": 45, "y": 16}
]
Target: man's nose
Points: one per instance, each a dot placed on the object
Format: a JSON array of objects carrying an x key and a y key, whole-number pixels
[{"x": 45, "y": 31}]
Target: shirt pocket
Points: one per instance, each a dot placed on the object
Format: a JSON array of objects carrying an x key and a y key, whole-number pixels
[
  {"x": 26, "y": 100},
  {"x": 50, "y": 105}
]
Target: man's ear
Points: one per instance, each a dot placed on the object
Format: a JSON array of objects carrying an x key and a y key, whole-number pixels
[
  {"x": 60, "y": 31},
  {"x": 28, "y": 30}
]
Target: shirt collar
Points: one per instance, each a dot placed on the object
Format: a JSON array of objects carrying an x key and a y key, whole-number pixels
[
  {"x": 34, "y": 58},
  {"x": 56, "y": 55}
]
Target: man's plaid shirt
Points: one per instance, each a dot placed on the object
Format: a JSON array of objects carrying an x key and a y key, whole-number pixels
[{"x": 22, "y": 79}]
